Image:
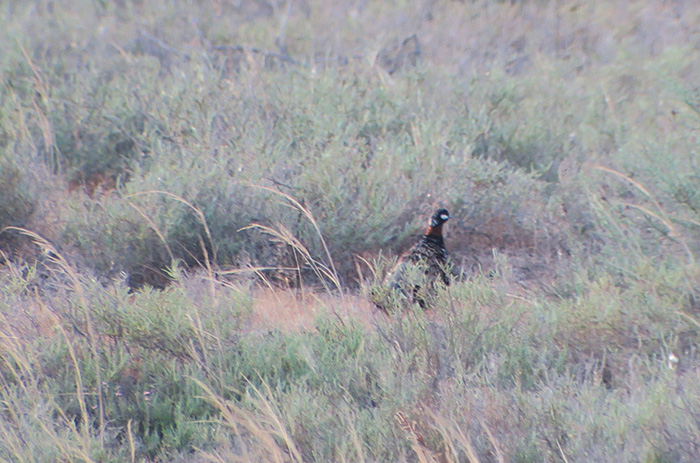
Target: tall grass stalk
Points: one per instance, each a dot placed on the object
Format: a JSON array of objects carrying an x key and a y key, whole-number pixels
[
  {"x": 322, "y": 270},
  {"x": 62, "y": 264}
]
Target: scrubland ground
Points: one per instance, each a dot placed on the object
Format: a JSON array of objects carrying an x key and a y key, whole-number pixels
[{"x": 198, "y": 197}]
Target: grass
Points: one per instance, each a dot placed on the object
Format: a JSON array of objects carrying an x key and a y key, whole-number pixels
[{"x": 199, "y": 202}]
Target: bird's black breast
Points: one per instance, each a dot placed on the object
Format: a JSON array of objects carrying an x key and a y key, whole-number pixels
[
  {"x": 429, "y": 255},
  {"x": 428, "y": 249}
]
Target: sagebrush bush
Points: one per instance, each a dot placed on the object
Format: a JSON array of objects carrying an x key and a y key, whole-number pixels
[
  {"x": 240, "y": 156},
  {"x": 16, "y": 199}
]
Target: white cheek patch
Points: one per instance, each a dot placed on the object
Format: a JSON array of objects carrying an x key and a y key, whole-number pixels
[{"x": 444, "y": 216}]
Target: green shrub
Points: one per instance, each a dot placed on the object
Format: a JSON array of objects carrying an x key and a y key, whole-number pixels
[
  {"x": 16, "y": 199},
  {"x": 204, "y": 147}
]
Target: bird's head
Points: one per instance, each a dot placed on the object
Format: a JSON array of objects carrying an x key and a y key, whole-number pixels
[{"x": 440, "y": 217}]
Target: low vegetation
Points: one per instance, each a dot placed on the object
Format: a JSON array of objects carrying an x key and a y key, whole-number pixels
[{"x": 200, "y": 200}]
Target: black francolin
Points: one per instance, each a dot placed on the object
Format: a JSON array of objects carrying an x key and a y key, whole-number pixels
[{"x": 419, "y": 269}]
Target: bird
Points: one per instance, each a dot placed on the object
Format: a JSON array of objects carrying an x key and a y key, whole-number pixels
[{"x": 424, "y": 265}]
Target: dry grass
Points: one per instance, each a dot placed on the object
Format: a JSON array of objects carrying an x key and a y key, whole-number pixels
[
  {"x": 263, "y": 164},
  {"x": 290, "y": 310}
]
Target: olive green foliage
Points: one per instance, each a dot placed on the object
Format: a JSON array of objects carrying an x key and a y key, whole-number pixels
[{"x": 167, "y": 166}]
